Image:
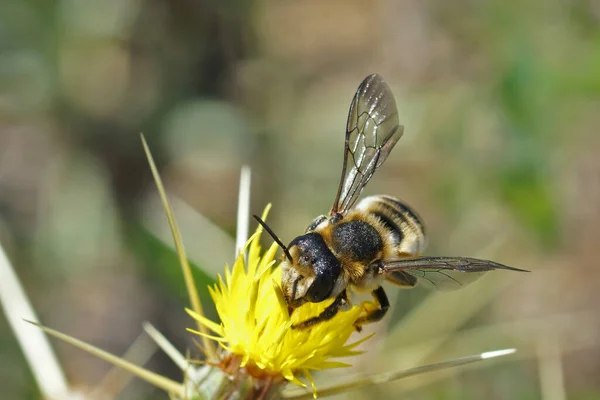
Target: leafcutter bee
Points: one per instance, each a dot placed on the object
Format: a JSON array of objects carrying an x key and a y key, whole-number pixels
[{"x": 359, "y": 246}]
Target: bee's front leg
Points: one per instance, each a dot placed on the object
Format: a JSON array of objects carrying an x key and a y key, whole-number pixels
[
  {"x": 340, "y": 301},
  {"x": 376, "y": 314}
]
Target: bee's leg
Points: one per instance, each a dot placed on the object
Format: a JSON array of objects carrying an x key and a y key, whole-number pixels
[
  {"x": 340, "y": 301},
  {"x": 377, "y": 314}
]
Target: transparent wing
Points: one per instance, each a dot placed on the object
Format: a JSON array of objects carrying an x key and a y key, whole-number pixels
[
  {"x": 371, "y": 133},
  {"x": 442, "y": 273}
]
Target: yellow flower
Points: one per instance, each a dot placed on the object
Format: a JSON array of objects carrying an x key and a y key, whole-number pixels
[{"x": 256, "y": 326}]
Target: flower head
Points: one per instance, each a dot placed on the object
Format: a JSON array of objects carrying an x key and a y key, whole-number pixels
[{"x": 256, "y": 325}]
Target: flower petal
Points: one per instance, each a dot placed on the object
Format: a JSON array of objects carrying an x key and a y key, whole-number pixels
[
  {"x": 215, "y": 338},
  {"x": 213, "y": 326}
]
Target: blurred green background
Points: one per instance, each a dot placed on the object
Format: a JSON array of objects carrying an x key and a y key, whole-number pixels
[{"x": 500, "y": 100}]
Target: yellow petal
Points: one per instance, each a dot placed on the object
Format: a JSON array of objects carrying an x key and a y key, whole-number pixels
[
  {"x": 215, "y": 338},
  {"x": 312, "y": 383},
  {"x": 216, "y": 328}
]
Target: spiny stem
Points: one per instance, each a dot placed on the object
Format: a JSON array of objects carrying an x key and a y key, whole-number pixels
[
  {"x": 166, "y": 346},
  {"x": 115, "y": 380},
  {"x": 155, "y": 379},
  {"x": 185, "y": 266},
  {"x": 392, "y": 376},
  {"x": 42, "y": 361},
  {"x": 243, "y": 214}
]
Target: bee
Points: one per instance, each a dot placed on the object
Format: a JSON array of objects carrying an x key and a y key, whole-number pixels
[{"x": 358, "y": 246}]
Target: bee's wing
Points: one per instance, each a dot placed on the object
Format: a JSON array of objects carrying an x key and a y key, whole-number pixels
[
  {"x": 371, "y": 133},
  {"x": 442, "y": 273}
]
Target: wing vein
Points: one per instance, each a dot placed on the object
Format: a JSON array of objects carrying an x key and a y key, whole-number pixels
[{"x": 371, "y": 133}]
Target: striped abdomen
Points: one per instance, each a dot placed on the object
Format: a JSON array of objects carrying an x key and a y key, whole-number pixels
[{"x": 404, "y": 227}]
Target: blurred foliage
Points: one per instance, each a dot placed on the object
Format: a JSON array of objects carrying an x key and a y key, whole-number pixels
[
  {"x": 523, "y": 94},
  {"x": 161, "y": 264},
  {"x": 499, "y": 156}
]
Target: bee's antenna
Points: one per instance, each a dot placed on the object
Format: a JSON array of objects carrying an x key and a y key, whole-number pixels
[{"x": 274, "y": 236}]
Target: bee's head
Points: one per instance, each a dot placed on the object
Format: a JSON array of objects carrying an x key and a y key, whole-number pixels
[{"x": 311, "y": 273}]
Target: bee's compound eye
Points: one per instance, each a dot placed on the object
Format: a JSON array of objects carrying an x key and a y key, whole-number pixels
[{"x": 320, "y": 289}]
